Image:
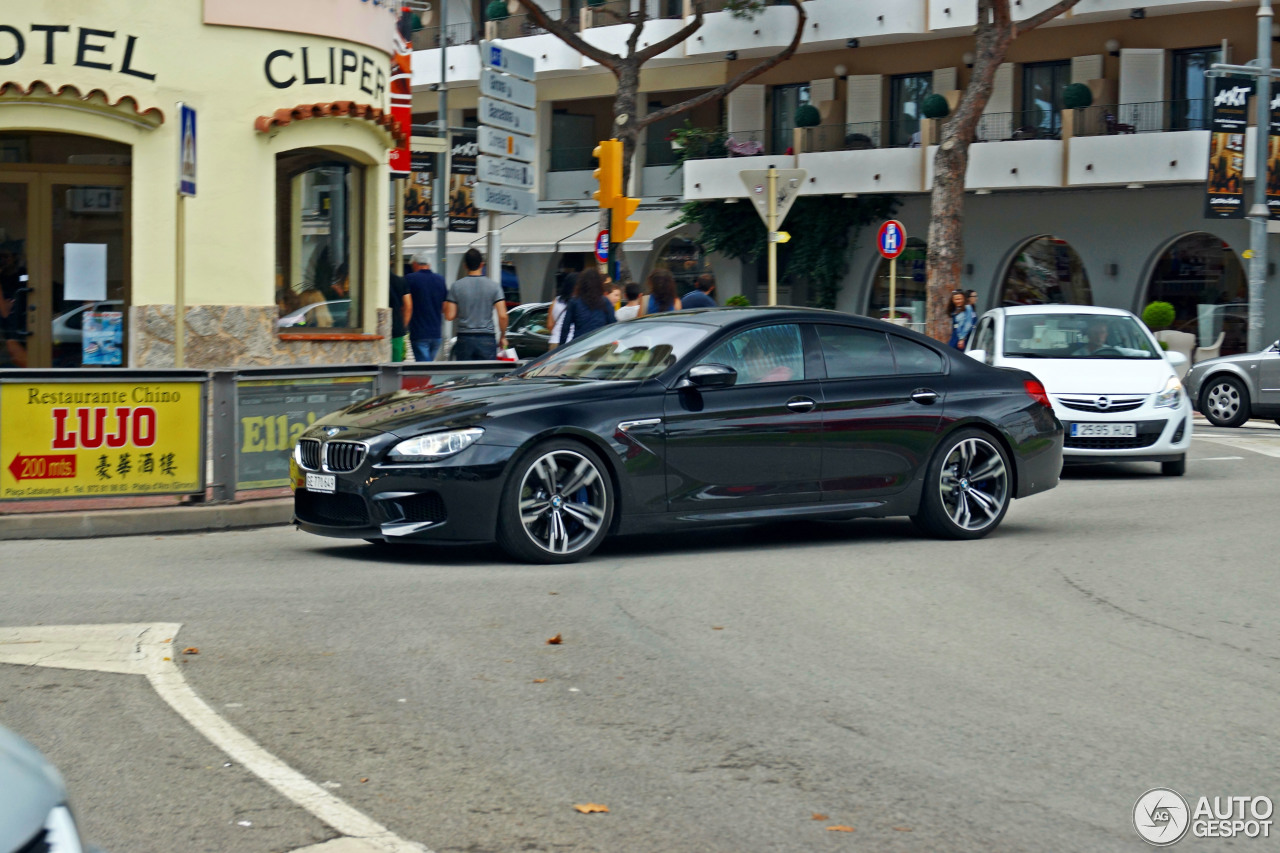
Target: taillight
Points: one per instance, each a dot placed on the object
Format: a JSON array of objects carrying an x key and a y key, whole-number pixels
[{"x": 1035, "y": 390}]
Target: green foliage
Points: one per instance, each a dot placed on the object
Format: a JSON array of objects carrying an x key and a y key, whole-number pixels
[
  {"x": 1158, "y": 315},
  {"x": 745, "y": 9},
  {"x": 496, "y": 10},
  {"x": 824, "y": 232},
  {"x": 737, "y": 301},
  {"x": 935, "y": 106},
  {"x": 595, "y": 2},
  {"x": 697, "y": 143},
  {"x": 808, "y": 116},
  {"x": 1077, "y": 96}
]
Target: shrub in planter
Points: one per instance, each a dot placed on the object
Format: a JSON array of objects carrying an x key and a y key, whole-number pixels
[
  {"x": 738, "y": 301},
  {"x": 496, "y": 10},
  {"x": 935, "y": 106},
  {"x": 808, "y": 116},
  {"x": 1076, "y": 96},
  {"x": 1158, "y": 315}
]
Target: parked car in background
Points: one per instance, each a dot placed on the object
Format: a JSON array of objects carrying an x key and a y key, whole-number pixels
[
  {"x": 527, "y": 329},
  {"x": 1112, "y": 386},
  {"x": 34, "y": 815},
  {"x": 1231, "y": 389},
  {"x": 320, "y": 315}
]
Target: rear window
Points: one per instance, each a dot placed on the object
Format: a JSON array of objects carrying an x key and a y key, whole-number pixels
[{"x": 915, "y": 358}]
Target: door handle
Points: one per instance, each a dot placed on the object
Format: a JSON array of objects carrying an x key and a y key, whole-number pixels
[
  {"x": 801, "y": 404},
  {"x": 925, "y": 396}
]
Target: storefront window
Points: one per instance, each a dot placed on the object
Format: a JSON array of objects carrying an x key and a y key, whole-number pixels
[
  {"x": 909, "y": 294},
  {"x": 1205, "y": 283},
  {"x": 685, "y": 260},
  {"x": 319, "y": 241},
  {"x": 1046, "y": 271}
]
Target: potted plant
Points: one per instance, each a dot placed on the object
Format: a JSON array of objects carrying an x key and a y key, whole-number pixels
[
  {"x": 496, "y": 10},
  {"x": 1077, "y": 96},
  {"x": 935, "y": 106},
  {"x": 737, "y": 301}
]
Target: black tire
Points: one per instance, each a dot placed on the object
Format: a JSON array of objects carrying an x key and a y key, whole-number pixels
[
  {"x": 563, "y": 522},
  {"x": 1174, "y": 469},
  {"x": 968, "y": 474},
  {"x": 1224, "y": 401}
]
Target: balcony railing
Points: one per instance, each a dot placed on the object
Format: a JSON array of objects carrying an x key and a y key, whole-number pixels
[
  {"x": 572, "y": 159},
  {"x": 715, "y": 143},
  {"x": 861, "y": 136},
  {"x": 521, "y": 26},
  {"x": 1149, "y": 117},
  {"x": 1018, "y": 126},
  {"x": 428, "y": 38},
  {"x": 658, "y": 152}
]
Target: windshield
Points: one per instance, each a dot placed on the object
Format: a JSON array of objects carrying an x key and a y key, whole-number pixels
[
  {"x": 1076, "y": 336},
  {"x": 621, "y": 351}
]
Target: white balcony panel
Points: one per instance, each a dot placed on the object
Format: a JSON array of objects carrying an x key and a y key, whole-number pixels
[
  {"x": 1025, "y": 164},
  {"x": 832, "y": 22},
  {"x": 563, "y": 186},
  {"x": 464, "y": 65},
  {"x": 1098, "y": 9},
  {"x": 711, "y": 179},
  {"x": 660, "y": 181},
  {"x": 548, "y": 52},
  {"x": 721, "y": 32},
  {"x": 1138, "y": 158},
  {"x": 614, "y": 39},
  {"x": 878, "y": 170},
  {"x": 952, "y": 14}
]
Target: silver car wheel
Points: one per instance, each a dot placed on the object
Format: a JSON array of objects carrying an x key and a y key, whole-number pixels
[
  {"x": 563, "y": 501},
  {"x": 974, "y": 484},
  {"x": 1223, "y": 401}
]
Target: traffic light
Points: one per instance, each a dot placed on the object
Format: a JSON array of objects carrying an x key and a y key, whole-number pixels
[
  {"x": 621, "y": 228},
  {"x": 609, "y": 175}
]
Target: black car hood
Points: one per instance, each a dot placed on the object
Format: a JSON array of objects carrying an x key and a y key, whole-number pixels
[{"x": 410, "y": 413}]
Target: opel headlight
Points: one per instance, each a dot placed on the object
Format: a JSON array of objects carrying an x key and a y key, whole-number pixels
[
  {"x": 1171, "y": 395},
  {"x": 435, "y": 445}
]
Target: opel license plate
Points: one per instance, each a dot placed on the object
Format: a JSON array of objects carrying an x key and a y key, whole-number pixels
[
  {"x": 1100, "y": 431},
  {"x": 321, "y": 483}
]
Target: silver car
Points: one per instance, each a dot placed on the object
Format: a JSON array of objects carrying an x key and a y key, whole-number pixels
[
  {"x": 1230, "y": 390},
  {"x": 33, "y": 802}
]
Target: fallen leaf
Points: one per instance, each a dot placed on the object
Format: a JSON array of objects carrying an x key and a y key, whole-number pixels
[
  {"x": 555, "y": 641},
  {"x": 840, "y": 828},
  {"x": 717, "y": 627},
  {"x": 819, "y": 816},
  {"x": 365, "y": 779},
  {"x": 168, "y": 658},
  {"x": 590, "y": 808},
  {"x": 902, "y": 829},
  {"x": 191, "y": 650},
  {"x": 553, "y": 593},
  {"x": 167, "y": 640},
  {"x": 539, "y": 681}
]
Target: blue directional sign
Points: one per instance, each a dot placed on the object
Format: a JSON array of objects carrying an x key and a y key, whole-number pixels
[{"x": 187, "y": 151}]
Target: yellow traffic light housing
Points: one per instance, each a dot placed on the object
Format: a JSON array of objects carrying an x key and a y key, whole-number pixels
[
  {"x": 621, "y": 227},
  {"x": 609, "y": 175}
]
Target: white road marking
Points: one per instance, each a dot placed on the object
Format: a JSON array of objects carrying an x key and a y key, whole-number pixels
[
  {"x": 1266, "y": 447},
  {"x": 1217, "y": 459},
  {"x": 142, "y": 649}
]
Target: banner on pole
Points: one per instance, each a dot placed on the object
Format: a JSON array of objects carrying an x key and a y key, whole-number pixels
[
  {"x": 463, "y": 214},
  {"x": 418, "y": 192},
  {"x": 1273, "y": 159},
  {"x": 1230, "y": 118},
  {"x": 401, "y": 91}
]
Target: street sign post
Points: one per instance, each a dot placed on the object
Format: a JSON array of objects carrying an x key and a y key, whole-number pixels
[
  {"x": 505, "y": 139},
  {"x": 773, "y": 192},
  {"x": 186, "y": 189},
  {"x": 891, "y": 240}
]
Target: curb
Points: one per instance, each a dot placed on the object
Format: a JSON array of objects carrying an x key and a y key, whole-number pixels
[{"x": 91, "y": 524}]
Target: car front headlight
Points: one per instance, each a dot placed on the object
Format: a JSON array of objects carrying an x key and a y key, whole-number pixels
[
  {"x": 61, "y": 835},
  {"x": 1171, "y": 395},
  {"x": 434, "y": 445}
]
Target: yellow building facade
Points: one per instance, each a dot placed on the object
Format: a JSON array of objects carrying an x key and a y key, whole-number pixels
[{"x": 280, "y": 257}]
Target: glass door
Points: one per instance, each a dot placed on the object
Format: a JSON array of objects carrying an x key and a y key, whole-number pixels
[{"x": 16, "y": 203}]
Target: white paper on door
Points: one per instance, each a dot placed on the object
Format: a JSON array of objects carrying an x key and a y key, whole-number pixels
[{"x": 84, "y": 267}]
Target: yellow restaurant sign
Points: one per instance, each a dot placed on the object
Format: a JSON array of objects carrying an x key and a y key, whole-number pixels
[{"x": 95, "y": 439}]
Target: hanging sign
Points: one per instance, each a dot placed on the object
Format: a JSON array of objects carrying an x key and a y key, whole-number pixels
[
  {"x": 1273, "y": 159},
  {"x": 402, "y": 98},
  {"x": 463, "y": 215},
  {"x": 1230, "y": 118},
  {"x": 418, "y": 192}
]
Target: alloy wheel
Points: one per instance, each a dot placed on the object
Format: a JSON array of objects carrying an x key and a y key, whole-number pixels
[
  {"x": 563, "y": 501},
  {"x": 974, "y": 484},
  {"x": 1223, "y": 401}
]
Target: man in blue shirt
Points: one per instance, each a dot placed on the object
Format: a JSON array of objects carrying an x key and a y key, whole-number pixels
[
  {"x": 700, "y": 297},
  {"x": 428, "y": 291}
]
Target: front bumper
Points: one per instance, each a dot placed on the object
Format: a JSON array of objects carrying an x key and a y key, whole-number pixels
[
  {"x": 1163, "y": 435},
  {"x": 453, "y": 500}
]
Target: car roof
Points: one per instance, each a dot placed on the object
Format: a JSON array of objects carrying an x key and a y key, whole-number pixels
[
  {"x": 1016, "y": 310},
  {"x": 743, "y": 316}
]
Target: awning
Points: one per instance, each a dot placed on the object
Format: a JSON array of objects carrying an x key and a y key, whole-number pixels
[
  {"x": 654, "y": 225},
  {"x": 551, "y": 232}
]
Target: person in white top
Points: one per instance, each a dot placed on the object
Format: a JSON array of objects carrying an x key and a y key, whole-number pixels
[
  {"x": 632, "y": 308},
  {"x": 560, "y": 304}
]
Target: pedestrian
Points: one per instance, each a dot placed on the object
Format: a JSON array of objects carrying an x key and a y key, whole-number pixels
[
  {"x": 427, "y": 291},
  {"x": 510, "y": 283},
  {"x": 588, "y": 310},
  {"x": 631, "y": 309},
  {"x": 401, "y": 314},
  {"x": 662, "y": 294},
  {"x": 962, "y": 319},
  {"x": 471, "y": 303},
  {"x": 971, "y": 299},
  {"x": 700, "y": 296},
  {"x": 614, "y": 294},
  {"x": 555, "y": 314}
]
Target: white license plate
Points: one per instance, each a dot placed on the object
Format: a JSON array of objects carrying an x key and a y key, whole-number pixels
[
  {"x": 1104, "y": 430},
  {"x": 321, "y": 483}
]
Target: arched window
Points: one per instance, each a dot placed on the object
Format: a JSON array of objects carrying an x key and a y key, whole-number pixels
[
  {"x": 1046, "y": 271},
  {"x": 909, "y": 295},
  {"x": 1205, "y": 283}
]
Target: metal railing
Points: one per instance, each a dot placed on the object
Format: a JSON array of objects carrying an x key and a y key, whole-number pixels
[
  {"x": 658, "y": 152},
  {"x": 521, "y": 26},
  {"x": 859, "y": 136},
  {"x": 1018, "y": 126},
  {"x": 1147, "y": 117},
  {"x": 718, "y": 143},
  {"x": 428, "y": 38},
  {"x": 572, "y": 159}
]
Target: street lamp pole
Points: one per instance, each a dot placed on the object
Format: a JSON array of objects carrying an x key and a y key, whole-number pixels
[{"x": 1258, "y": 213}]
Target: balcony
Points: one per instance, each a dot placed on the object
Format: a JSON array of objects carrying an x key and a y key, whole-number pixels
[
  {"x": 428, "y": 38},
  {"x": 830, "y": 24},
  {"x": 1157, "y": 142}
]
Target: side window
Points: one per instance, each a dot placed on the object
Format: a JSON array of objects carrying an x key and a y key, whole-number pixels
[
  {"x": 915, "y": 358},
  {"x": 855, "y": 353},
  {"x": 767, "y": 354},
  {"x": 536, "y": 321},
  {"x": 984, "y": 337}
]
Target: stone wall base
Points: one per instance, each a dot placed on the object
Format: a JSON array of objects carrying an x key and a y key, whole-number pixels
[{"x": 242, "y": 336}]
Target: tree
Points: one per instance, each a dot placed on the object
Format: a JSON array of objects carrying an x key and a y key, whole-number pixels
[
  {"x": 995, "y": 32},
  {"x": 626, "y": 68}
]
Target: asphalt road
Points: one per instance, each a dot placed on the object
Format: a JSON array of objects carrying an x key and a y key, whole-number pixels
[{"x": 715, "y": 691}]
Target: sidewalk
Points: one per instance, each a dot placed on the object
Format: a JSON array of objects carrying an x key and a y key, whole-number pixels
[{"x": 183, "y": 518}]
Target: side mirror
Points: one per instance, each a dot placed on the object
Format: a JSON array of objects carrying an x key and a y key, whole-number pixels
[
  {"x": 979, "y": 354},
  {"x": 708, "y": 376},
  {"x": 1175, "y": 358}
]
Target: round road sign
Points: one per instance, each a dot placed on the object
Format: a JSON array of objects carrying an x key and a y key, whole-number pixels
[
  {"x": 602, "y": 247},
  {"x": 892, "y": 239}
]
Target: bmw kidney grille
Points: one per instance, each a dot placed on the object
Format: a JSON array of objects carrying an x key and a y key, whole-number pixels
[
  {"x": 342, "y": 456},
  {"x": 309, "y": 453}
]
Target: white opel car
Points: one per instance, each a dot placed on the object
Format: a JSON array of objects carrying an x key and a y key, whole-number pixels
[{"x": 1110, "y": 383}]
